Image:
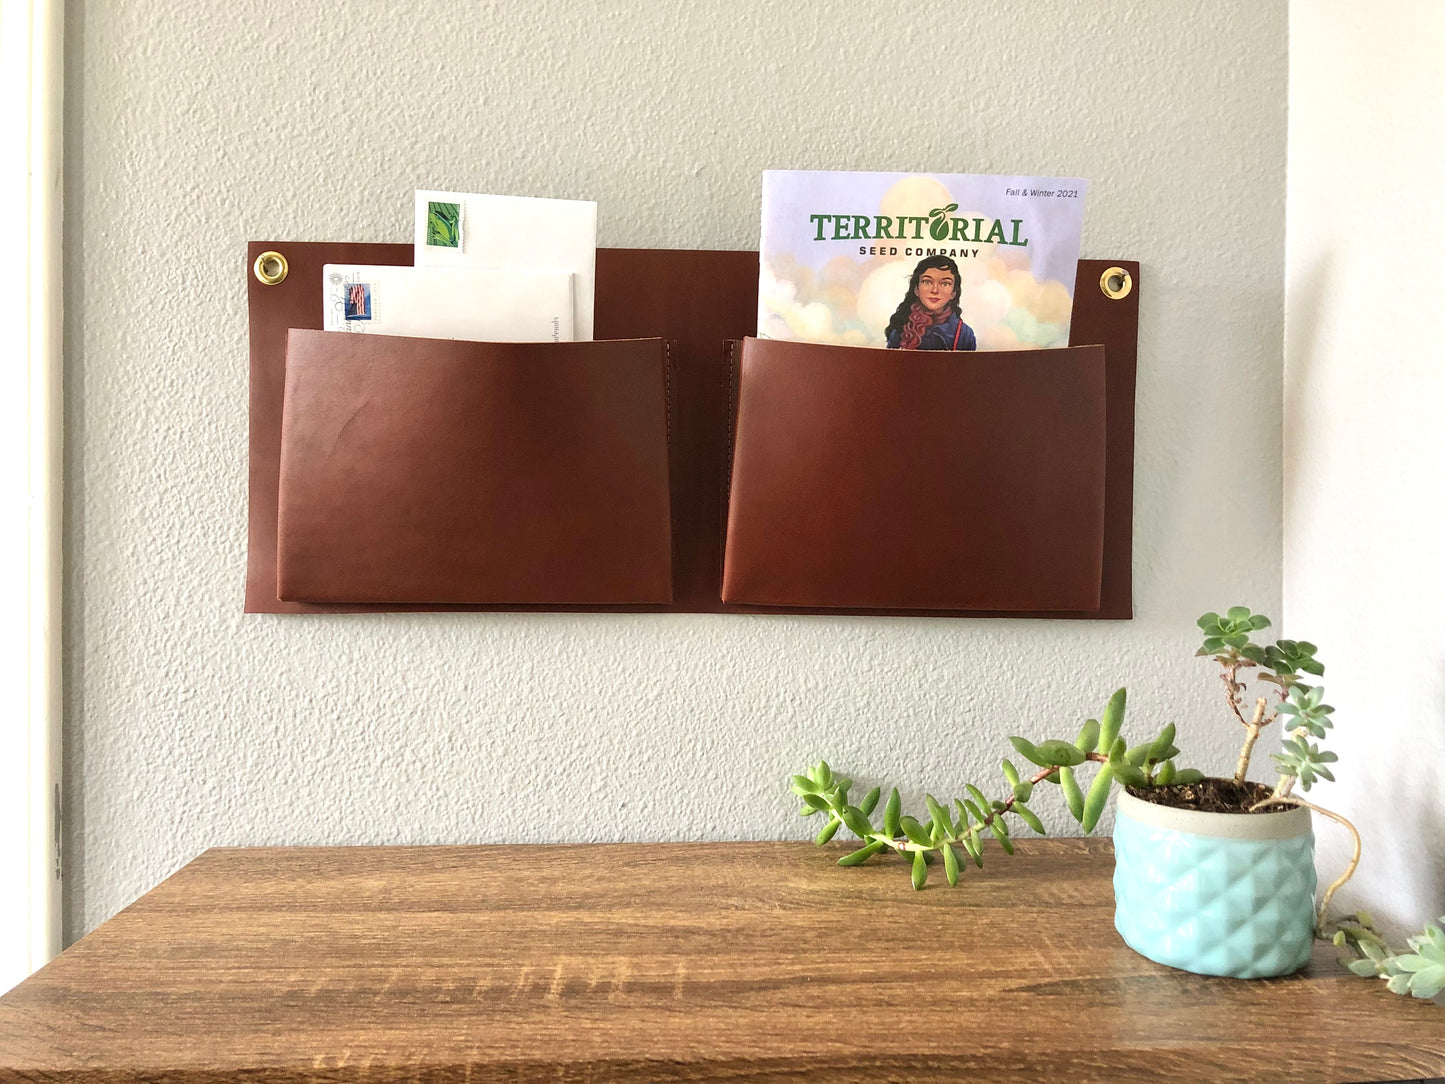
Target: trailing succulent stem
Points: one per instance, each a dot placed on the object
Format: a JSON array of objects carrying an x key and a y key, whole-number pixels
[
  {"x": 960, "y": 824},
  {"x": 1419, "y": 972}
]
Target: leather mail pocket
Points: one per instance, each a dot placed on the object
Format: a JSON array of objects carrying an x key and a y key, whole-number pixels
[
  {"x": 439, "y": 471},
  {"x": 913, "y": 480}
]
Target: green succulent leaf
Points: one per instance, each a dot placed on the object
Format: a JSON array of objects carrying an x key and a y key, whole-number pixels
[
  {"x": 971, "y": 845},
  {"x": 1431, "y": 943},
  {"x": 1029, "y": 817},
  {"x": 1414, "y": 962},
  {"x": 803, "y": 785},
  {"x": 1073, "y": 795},
  {"x": 1088, "y": 739},
  {"x": 857, "y": 821},
  {"x": 1097, "y": 798},
  {"x": 1426, "y": 984},
  {"x": 1188, "y": 775},
  {"x": 1255, "y": 654},
  {"x": 1277, "y": 661},
  {"x": 862, "y": 854},
  {"x": 829, "y": 831},
  {"x": 920, "y": 870},
  {"x": 938, "y": 814},
  {"x": 1208, "y": 621},
  {"x": 822, "y": 774},
  {"x": 1159, "y": 751},
  {"x": 915, "y": 832},
  {"x": 1131, "y": 776},
  {"x": 1029, "y": 751},
  {"x": 960, "y": 817},
  {"x": 979, "y": 798},
  {"x": 1000, "y": 833},
  {"x": 891, "y": 814},
  {"x": 1113, "y": 719},
  {"x": 950, "y": 864},
  {"x": 870, "y": 801},
  {"x": 813, "y": 803},
  {"x": 1010, "y": 772},
  {"x": 1060, "y": 754}
]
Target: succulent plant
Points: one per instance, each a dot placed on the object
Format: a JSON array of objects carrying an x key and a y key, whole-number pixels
[
  {"x": 953, "y": 830},
  {"x": 1419, "y": 972},
  {"x": 1228, "y": 639}
]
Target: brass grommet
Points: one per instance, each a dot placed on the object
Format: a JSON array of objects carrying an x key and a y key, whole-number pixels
[
  {"x": 1116, "y": 283},
  {"x": 271, "y": 268}
]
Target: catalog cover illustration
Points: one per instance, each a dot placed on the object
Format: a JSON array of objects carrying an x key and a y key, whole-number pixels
[{"x": 919, "y": 261}]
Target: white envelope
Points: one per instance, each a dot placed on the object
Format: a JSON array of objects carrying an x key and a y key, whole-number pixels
[
  {"x": 448, "y": 302},
  {"x": 518, "y": 232}
]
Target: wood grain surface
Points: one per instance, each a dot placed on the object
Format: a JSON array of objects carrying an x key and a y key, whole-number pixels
[{"x": 677, "y": 962}]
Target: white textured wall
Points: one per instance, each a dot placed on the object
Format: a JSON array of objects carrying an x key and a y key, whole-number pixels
[
  {"x": 194, "y": 127},
  {"x": 1364, "y": 507}
]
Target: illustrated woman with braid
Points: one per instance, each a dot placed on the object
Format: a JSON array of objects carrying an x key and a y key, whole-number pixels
[{"x": 928, "y": 318}]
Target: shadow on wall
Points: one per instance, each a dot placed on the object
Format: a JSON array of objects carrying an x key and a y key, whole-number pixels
[
  {"x": 1430, "y": 820},
  {"x": 1304, "y": 307},
  {"x": 1170, "y": 472}
]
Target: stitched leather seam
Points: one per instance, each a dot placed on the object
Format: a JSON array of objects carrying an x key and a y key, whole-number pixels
[
  {"x": 730, "y": 411},
  {"x": 731, "y": 420},
  {"x": 667, "y": 385},
  {"x": 671, "y": 510}
]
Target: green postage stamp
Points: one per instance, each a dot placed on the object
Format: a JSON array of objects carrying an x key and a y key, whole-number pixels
[{"x": 444, "y": 225}]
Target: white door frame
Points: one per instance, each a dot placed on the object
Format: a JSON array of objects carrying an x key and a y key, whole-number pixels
[{"x": 31, "y": 89}]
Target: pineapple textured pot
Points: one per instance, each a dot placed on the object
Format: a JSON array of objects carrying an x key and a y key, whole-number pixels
[{"x": 1215, "y": 893}]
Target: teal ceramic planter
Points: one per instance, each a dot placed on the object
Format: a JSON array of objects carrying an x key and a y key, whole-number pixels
[{"x": 1215, "y": 893}]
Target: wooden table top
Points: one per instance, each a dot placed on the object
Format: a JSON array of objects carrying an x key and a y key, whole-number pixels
[{"x": 642, "y": 962}]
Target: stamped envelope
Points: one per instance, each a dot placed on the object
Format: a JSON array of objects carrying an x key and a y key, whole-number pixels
[
  {"x": 448, "y": 303},
  {"x": 460, "y": 229}
]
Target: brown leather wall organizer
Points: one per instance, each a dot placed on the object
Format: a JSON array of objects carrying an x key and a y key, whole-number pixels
[{"x": 700, "y": 302}]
